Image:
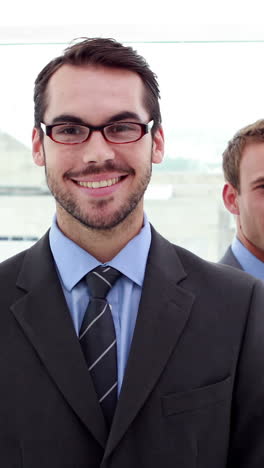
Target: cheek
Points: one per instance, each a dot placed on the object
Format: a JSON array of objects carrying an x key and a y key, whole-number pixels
[
  {"x": 135, "y": 157},
  {"x": 252, "y": 209},
  {"x": 59, "y": 158},
  {"x": 248, "y": 200},
  {"x": 143, "y": 155}
]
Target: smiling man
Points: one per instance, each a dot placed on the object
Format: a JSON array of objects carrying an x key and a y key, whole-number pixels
[
  {"x": 243, "y": 195},
  {"x": 118, "y": 348}
]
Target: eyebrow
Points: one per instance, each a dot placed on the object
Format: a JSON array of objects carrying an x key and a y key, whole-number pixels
[
  {"x": 259, "y": 180},
  {"x": 113, "y": 118}
]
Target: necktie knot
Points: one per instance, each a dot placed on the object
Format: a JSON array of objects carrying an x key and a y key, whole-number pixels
[{"x": 100, "y": 281}]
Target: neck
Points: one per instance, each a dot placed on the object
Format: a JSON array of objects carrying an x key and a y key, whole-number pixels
[
  {"x": 102, "y": 244},
  {"x": 249, "y": 246}
]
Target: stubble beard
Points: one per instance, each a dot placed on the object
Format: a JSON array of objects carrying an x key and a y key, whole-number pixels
[{"x": 97, "y": 218}]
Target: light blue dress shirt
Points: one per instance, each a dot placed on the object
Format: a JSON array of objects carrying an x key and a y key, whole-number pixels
[
  {"x": 73, "y": 263},
  {"x": 247, "y": 260}
]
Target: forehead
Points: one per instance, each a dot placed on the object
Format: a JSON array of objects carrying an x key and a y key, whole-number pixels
[{"x": 93, "y": 92}]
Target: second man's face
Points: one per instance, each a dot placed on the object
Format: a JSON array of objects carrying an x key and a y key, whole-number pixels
[
  {"x": 248, "y": 204},
  {"x": 97, "y": 96},
  {"x": 251, "y": 197}
]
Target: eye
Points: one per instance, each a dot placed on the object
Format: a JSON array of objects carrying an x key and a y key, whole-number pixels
[
  {"x": 69, "y": 130},
  {"x": 123, "y": 132},
  {"x": 120, "y": 128}
]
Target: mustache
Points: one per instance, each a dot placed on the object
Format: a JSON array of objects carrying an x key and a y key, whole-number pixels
[{"x": 92, "y": 169}]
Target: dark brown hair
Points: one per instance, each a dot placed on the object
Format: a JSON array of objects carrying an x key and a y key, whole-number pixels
[
  {"x": 107, "y": 53},
  {"x": 232, "y": 155}
]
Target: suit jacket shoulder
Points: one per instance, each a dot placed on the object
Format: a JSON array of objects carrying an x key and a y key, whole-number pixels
[
  {"x": 26, "y": 267},
  {"x": 193, "y": 270}
]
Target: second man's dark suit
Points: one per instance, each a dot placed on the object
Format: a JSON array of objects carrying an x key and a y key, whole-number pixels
[
  {"x": 230, "y": 259},
  {"x": 193, "y": 392}
]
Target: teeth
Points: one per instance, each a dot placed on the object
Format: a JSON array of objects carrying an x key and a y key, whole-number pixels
[{"x": 101, "y": 183}]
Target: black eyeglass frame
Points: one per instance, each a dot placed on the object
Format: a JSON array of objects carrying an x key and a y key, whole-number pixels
[{"x": 145, "y": 128}]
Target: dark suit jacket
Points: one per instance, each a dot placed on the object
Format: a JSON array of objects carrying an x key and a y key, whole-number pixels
[
  {"x": 230, "y": 259},
  {"x": 193, "y": 393}
]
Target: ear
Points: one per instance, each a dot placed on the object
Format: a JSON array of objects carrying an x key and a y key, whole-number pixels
[
  {"x": 158, "y": 146},
  {"x": 230, "y": 198},
  {"x": 37, "y": 148}
]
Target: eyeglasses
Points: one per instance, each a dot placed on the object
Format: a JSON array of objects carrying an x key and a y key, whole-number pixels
[{"x": 118, "y": 133}]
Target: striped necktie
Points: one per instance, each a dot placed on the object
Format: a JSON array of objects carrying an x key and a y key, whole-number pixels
[{"x": 98, "y": 340}]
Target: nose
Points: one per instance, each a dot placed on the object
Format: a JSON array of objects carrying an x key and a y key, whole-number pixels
[{"x": 97, "y": 149}]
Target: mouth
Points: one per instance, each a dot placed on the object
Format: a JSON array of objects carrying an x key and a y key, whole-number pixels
[{"x": 100, "y": 183}]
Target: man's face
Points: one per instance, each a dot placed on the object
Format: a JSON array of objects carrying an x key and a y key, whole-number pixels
[
  {"x": 248, "y": 205},
  {"x": 97, "y": 96}
]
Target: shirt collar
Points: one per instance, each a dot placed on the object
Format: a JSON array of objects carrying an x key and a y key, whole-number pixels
[
  {"x": 247, "y": 260},
  {"x": 73, "y": 262}
]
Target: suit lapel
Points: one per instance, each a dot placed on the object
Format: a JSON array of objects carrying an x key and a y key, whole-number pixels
[
  {"x": 42, "y": 312},
  {"x": 163, "y": 312}
]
